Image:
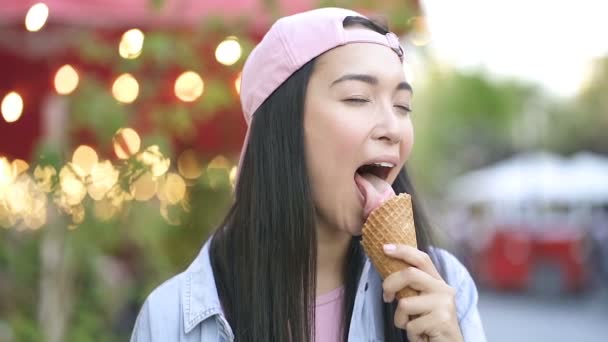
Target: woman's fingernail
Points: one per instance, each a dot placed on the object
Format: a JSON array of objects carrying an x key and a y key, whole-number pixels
[{"x": 389, "y": 248}]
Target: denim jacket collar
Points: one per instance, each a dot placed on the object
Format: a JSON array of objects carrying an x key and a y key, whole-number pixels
[
  {"x": 201, "y": 301},
  {"x": 200, "y": 297}
]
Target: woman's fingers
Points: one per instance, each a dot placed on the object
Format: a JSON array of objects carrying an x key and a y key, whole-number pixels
[
  {"x": 430, "y": 325},
  {"x": 409, "y": 277},
  {"x": 412, "y": 256},
  {"x": 401, "y": 318},
  {"x": 416, "y": 305},
  {"x": 411, "y": 307}
]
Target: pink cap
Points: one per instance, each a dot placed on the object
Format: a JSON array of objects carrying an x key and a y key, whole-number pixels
[{"x": 292, "y": 42}]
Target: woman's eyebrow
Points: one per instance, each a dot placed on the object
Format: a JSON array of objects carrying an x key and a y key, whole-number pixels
[
  {"x": 356, "y": 77},
  {"x": 372, "y": 80}
]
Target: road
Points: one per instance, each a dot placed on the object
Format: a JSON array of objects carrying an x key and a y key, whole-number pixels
[{"x": 526, "y": 317}]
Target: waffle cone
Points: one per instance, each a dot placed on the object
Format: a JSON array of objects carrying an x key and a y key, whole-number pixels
[{"x": 392, "y": 222}]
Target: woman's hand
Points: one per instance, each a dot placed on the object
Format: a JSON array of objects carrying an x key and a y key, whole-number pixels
[{"x": 434, "y": 309}]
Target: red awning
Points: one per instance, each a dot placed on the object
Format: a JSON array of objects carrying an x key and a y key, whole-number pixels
[{"x": 104, "y": 13}]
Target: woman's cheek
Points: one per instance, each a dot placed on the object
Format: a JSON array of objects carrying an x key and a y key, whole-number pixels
[{"x": 408, "y": 140}]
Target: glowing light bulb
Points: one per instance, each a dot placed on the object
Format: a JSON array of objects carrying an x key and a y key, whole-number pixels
[
  {"x": 189, "y": 86},
  {"x": 66, "y": 80},
  {"x": 131, "y": 44},
  {"x": 125, "y": 88},
  {"x": 12, "y": 107},
  {"x": 126, "y": 143},
  {"x": 229, "y": 51},
  {"x": 36, "y": 17}
]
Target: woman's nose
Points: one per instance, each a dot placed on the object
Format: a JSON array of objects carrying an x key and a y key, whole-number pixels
[{"x": 389, "y": 125}]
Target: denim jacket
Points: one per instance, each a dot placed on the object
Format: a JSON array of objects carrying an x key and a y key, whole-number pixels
[{"x": 187, "y": 308}]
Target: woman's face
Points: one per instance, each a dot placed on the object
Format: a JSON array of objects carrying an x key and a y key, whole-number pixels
[{"x": 356, "y": 111}]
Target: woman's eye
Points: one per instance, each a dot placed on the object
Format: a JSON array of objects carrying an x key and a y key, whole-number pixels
[
  {"x": 356, "y": 100},
  {"x": 404, "y": 109}
]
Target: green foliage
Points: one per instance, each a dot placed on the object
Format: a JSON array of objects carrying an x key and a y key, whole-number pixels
[
  {"x": 463, "y": 120},
  {"x": 94, "y": 107}
]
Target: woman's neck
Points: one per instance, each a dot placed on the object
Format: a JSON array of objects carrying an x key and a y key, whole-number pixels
[{"x": 332, "y": 248}]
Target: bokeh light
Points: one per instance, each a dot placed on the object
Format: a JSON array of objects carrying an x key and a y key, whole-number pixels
[
  {"x": 229, "y": 51},
  {"x": 218, "y": 172},
  {"x": 126, "y": 143},
  {"x": 44, "y": 177},
  {"x": 125, "y": 88},
  {"x": 232, "y": 176},
  {"x": 144, "y": 187},
  {"x": 189, "y": 165},
  {"x": 155, "y": 160},
  {"x": 131, "y": 44},
  {"x": 36, "y": 17},
  {"x": 219, "y": 162},
  {"x": 19, "y": 166},
  {"x": 85, "y": 157},
  {"x": 66, "y": 80},
  {"x": 419, "y": 35},
  {"x": 6, "y": 175},
  {"x": 189, "y": 86},
  {"x": 237, "y": 83},
  {"x": 12, "y": 107},
  {"x": 118, "y": 196},
  {"x": 172, "y": 189},
  {"x": 103, "y": 178},
  {"x": 72, "y": 187},
  {"x": 104, "y": 210}
]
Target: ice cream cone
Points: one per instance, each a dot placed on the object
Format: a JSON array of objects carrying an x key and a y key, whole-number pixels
[{"x": 392, "y": 222}]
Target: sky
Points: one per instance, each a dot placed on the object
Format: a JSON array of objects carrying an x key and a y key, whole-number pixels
[{"x": 552, "y": 43}]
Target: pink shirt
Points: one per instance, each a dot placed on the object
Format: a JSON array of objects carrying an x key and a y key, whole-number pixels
[{"x": 329, "y": 316}]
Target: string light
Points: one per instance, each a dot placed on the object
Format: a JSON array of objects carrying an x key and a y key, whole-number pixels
[
  {"x": 103, "y": 178},
  {"x": 155, "y": 160},
  {"x": 126, "y": 143},
  {"x": 19, "y": 166},
  {"x": 66, "y": 80},
  {"x": 228, "y": 51},
  {"x": 131, "y": 44},
  {"x": 174, "y": 189},
  {"x": 144, "y": 187},
  {"x": 125, "y": 88},
  {"x": 189, "y": 86},
  {"x": 36, "y": 17},
  {"x": 85, "y": 157},
  {"x": 12, "y": 107},
  {"x": 189, "y": 165}
]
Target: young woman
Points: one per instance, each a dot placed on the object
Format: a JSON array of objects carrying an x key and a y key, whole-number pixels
[{"x": 324, "y": 93}]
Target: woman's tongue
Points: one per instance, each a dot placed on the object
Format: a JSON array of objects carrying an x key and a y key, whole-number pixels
[{"x": 375, "y": 191}]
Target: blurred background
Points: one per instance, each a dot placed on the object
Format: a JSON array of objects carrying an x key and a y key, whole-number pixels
[{"x": 121, "y": 126}]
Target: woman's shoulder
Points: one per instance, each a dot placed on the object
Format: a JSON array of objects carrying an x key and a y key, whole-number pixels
[
  {"x": 160, "y": 314},
  {"x": 179, "y": 304}
]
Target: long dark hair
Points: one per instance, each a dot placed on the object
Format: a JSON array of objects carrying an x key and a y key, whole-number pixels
[{"x": 264, "y": 252}]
